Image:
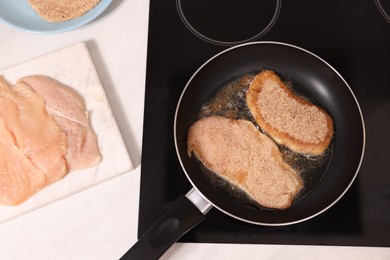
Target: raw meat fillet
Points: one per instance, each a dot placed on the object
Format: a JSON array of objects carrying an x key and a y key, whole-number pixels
[
  {"x": 32, "y": 147},
  {"x": 19, "y": 178},
  {"x": 68, "y": 111},
  {"x": 35, "y": 132}
]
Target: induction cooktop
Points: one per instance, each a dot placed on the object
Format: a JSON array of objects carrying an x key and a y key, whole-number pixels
[{"x": 352, "y": 36}]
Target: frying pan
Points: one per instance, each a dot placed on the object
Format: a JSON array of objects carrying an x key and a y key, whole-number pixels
[{"x": 318, "y": 81}]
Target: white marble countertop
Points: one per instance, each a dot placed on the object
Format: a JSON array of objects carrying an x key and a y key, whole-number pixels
[{"x": 101, "y": 222}]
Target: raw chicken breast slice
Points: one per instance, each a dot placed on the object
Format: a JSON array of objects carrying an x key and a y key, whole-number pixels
[
  {"x": 68, "y": 110},
  {"x": 30, "y": 156},
  {"x": 36, "y": 134},
  {"x": 19, "y": 178}
]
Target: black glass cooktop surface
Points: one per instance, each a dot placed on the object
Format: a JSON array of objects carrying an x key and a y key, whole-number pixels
[{"x": 352, "y": 36}]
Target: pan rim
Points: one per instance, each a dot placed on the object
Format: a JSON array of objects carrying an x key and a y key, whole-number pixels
[{"x": 316, "y": 57}]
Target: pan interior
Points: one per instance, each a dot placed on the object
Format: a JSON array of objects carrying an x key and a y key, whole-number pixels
[
  {"x": 230, "y": 102},
  {"x": 314, "y": 79}
]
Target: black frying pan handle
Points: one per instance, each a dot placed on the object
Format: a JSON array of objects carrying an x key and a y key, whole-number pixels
[{"x": 179, "y": 219}]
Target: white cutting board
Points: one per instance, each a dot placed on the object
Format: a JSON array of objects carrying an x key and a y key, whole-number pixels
[{"x": 73, "y": 66}]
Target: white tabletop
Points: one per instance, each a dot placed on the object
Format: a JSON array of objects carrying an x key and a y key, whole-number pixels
[{"x": 101, "y": 222}]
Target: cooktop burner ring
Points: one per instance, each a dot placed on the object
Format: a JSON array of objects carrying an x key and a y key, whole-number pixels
[
  {"x": 212, "y": 40},
  {"x": 382, "y": 10}
]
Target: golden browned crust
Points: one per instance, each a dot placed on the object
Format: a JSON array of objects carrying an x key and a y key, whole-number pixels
[
  {"x": 287, "y": 118},
  {"x": 62, "y": 10},
  {"x": 239, "y": 153}
]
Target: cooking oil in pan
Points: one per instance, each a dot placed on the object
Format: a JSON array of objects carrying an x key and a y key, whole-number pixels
[{"x": 230, "y": 102}]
